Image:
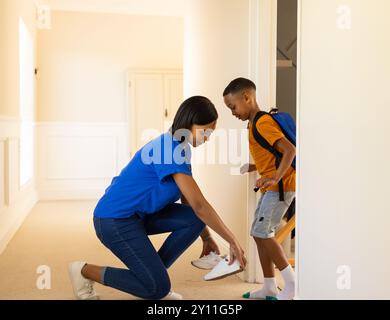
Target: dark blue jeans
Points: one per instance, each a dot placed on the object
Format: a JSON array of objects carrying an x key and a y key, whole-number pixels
[{"x": 147, "y": 276}]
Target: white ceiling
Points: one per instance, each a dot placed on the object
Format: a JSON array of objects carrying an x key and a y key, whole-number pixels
[{"x": 136, "y": 7}]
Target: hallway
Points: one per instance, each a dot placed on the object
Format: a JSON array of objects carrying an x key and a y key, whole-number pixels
[{"x": 55, "y": 239}]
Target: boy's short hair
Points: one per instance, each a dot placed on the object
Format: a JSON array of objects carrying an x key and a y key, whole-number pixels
[{"x": 238, "y": 85}]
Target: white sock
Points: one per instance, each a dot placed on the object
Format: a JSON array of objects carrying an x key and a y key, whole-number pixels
[
  {"x": 288, "y": 292},
  {"x": 269, "y": 289}
]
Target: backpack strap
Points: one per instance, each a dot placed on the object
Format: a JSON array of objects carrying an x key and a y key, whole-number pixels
[{"x": 266, "y": 145}]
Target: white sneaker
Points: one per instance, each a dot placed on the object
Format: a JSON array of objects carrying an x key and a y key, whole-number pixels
[
  {"x": 173, "y": 296},
  {"x": 207, "y": 262},
  {"x": 223, "y": 270},
  {"x": 82, "y": 287}
]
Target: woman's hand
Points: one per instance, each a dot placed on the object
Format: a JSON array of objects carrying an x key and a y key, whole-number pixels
[
  {"x": 209, "y": 245},
  {"x": 236, "y": 252}
]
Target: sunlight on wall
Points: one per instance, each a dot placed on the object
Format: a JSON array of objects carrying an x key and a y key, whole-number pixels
[{"x": 26, "y": 89}]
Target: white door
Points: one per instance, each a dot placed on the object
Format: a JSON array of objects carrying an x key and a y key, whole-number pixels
[
  {"x": 146, "y": 98},
  {"x": 154, "y": 97},
  {"x": 173, "y": 96}
]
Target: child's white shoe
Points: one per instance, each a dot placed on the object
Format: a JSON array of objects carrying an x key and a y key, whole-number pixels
[
  {"x": 207, "y": 262},
  {"x": 223, "y": 270}
]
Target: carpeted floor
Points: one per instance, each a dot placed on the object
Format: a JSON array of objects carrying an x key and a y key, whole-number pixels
[{"x": 58, "y": 232}]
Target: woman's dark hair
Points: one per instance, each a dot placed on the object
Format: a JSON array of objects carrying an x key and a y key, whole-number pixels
[{"x": 195, "y": 110}]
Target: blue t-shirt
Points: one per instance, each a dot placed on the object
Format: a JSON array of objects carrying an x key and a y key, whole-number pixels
[{"x": 146, "y": 185}]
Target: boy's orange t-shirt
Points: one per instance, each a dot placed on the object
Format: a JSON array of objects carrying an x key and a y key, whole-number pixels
[{"x": 265, "y": 160}]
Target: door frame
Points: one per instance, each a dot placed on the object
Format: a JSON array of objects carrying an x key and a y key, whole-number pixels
[{"x": 263, "y": 70}]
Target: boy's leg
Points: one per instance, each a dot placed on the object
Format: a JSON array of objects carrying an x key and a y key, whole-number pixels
[
  {"x": 270, "y": 213},
  {"x": 270, "y": 287},
  {"x": 274, "y": 252},
  {"x": 266, "y": 262}
]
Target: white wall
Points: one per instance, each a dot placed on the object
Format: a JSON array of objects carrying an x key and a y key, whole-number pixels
[
  {"x": 217, "y": 51},
  {"x": 11, "y": 11},
  {"x": 344, "y": 107},
  {"x": 134, "y": 7},
  {"x": 83, "y": 60},
  {"x": 78, "y": 160},
  {"x": 2, "y": 43},
  {"x": 81, "y": 116},
  {"x": 83, "y": 103},
  {"x": 15, "y": 201}
]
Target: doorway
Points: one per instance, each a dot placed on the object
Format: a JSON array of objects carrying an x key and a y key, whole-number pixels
[
  {"x": 286, "y": 74},
  {"x": 275, "y": 46},
  {"x": 286, "y": 77}
]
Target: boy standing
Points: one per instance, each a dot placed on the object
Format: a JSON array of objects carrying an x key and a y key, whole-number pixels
[{"x": 240, "y": 98}]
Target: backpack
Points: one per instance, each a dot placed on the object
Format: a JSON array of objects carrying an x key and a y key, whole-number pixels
[{"x": 288, "y": 127}]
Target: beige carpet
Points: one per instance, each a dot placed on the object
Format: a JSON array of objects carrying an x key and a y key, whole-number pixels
[{"x": 58, "y": 232}]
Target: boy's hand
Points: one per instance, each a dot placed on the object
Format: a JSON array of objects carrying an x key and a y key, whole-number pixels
[
  {"x": 247, "y": 168},
  {"x": 266, "y": 182}
]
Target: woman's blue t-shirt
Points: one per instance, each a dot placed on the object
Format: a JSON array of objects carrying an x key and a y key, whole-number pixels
[{"x": 146, "y": 185}]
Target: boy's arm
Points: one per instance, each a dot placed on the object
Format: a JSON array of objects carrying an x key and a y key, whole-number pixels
[
  {"x": 288, "y": 151},
  {"x": 248, "y": 168}
]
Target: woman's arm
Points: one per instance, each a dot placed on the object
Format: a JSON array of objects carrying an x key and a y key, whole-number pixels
[
  {"x": 208, "y": 242},
  {"x": 207, "y": 214}
]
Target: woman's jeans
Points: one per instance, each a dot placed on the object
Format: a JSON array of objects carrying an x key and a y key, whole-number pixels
[{"x": 147, "y": 275}]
